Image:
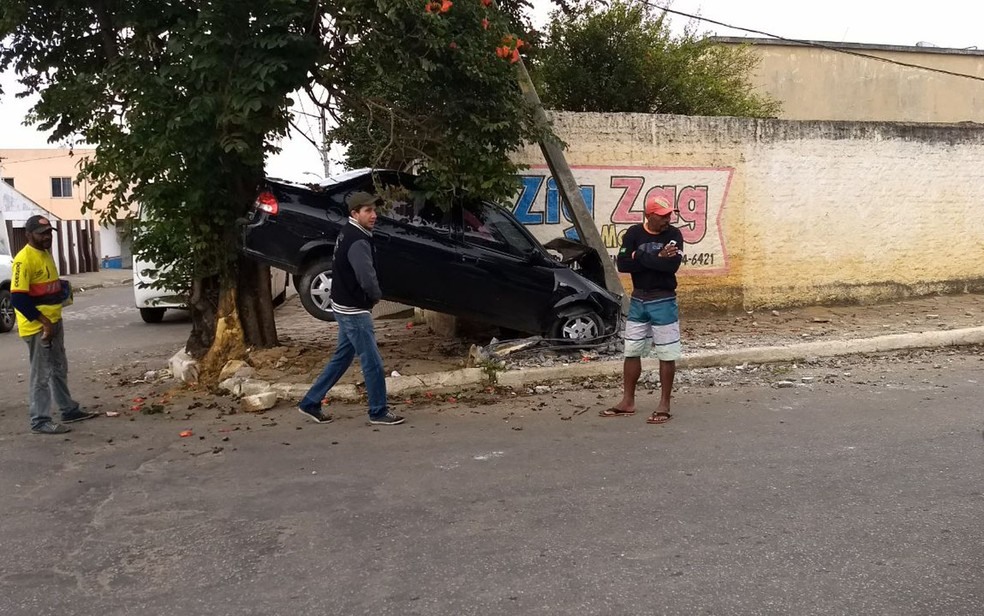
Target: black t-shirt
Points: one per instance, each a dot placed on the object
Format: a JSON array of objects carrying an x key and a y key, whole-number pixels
[{"x": 650, "y": 273}]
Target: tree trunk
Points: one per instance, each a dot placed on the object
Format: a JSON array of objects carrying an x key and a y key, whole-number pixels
[
  {"x": 204, "y": 307},
  {"x": 255, "y": 304},
  {"x": 227, "y": 341},
  {"x": 227, "y": 321}
]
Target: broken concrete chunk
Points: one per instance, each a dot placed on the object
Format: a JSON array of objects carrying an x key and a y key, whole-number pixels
[
  {"x": 259, "y": 402},
  {"x": 232, "y": 385},
  {"x": 184, "y": 367},
  {"x": 231, "y": 368}
]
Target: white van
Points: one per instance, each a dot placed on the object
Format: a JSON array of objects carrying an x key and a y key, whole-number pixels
[
  {"x": 7, "y": 319},
  {"x": 153, "y": 303}
]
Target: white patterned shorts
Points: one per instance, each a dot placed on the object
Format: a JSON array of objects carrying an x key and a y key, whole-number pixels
[{"x": 653, "y": 329}]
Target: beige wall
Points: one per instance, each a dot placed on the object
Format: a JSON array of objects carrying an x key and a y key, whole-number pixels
[
  {"x": 32, "y": 171},
  {"x": 821, "y": 84},
  {"x": 777, "y": 213}
]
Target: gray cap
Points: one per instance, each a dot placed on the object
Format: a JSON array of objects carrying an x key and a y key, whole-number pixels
[{"x": 360, "y": 199}]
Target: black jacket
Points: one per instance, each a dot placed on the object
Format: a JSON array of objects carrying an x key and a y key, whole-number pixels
[{"x": 354, "y": 285}]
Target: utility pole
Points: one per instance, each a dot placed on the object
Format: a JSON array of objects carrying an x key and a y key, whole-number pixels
[
  {"x": 570, "y": 192},
  {"x": 325, "y": 145}
]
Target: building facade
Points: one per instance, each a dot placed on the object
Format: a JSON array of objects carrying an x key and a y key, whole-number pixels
[
  {"x": 819, "y": 83},
  {"x": 49, "y": 178}
]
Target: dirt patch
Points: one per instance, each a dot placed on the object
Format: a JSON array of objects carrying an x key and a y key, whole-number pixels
[{"x": 307, "y": 344}]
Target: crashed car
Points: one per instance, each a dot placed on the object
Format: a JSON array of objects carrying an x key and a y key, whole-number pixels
[{"x": 470, "y": 258}]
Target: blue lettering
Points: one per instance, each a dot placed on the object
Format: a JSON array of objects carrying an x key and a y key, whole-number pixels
[{"x": 524, "y": 204}]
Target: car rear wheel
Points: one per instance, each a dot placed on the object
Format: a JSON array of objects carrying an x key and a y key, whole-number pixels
[
  {"x": 6, "y": 312},
  {"x": 152, "y": 315},
  {"x": 315, "y": 289},
  {"x": 581, "y": 326}
]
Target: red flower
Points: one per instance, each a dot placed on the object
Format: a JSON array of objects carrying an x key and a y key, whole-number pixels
[
  {"x": 446, "y": 6},
  {"x": 502, "y": 52},
  {"x": 453, "y": 45},
  {"x": 486, "y": 3},
  {"x": 515, "y": 56},
  {"x": 485, "y": 24}
]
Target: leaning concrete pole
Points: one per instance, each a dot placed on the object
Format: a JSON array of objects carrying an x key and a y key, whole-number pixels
[{"x": 570, "y": 192}]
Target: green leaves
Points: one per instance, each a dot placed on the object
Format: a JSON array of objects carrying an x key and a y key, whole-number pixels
[
  {"x": 624, "y": 59},
  {"x": 426, "y": 90},
  {"x": 180, "y": 99}
]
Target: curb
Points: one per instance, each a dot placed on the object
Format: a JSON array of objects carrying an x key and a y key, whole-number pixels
[
  {"x": 82, "y": 287},
  {"x": 476, "y": 377}
]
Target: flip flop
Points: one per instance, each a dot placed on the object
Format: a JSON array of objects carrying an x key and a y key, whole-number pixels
[
  {"x": 659, "y": 418},
  {"x": 614, "y": 412}
]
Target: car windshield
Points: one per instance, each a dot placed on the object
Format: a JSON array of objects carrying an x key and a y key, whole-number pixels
[{"x": 486, "y": 225}]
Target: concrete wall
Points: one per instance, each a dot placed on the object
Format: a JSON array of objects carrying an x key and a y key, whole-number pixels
[
  {"x": 822, "y": 84},
  {"x": 777, "y": 213}
]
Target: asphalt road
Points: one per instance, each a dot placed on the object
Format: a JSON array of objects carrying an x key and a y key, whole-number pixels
[
  {"x": 101, "y": 326},
  {"x": 862, "y": 496}
]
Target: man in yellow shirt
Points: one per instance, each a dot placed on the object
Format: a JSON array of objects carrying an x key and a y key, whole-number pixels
[{"x": 37, "y": 295}]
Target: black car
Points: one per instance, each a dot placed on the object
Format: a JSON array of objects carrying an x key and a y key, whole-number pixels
[{"x": 471, "y": 259}]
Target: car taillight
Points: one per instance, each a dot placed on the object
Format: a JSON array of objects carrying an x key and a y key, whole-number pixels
[{"x": 266, "y": 202}]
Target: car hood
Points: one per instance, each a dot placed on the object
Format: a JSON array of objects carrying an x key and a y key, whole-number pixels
[{"x": 581, "y": 258}]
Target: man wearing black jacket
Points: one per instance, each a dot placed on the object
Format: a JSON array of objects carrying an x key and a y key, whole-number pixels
[
  {"x": 354, "y": 291},
  {"x": 651, "y": 252}
]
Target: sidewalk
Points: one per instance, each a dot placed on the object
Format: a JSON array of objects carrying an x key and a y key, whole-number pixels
[
  {"x": 102, "y": 278},
  {"x": 427, "y": 362}
]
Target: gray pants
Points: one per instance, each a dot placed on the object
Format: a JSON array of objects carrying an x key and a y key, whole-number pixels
[{"x": 49, "y": 376}]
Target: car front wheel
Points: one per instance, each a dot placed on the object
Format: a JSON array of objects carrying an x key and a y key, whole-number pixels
[
  {"x": 6, "y": 312},
  {"x": 315, "y": 288},
  {"x": 578, "y": 327}
]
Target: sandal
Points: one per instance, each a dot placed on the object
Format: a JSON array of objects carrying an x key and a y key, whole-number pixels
[
  {"x": 659, "y": 417},
  {"x": 614, "y": 412}
]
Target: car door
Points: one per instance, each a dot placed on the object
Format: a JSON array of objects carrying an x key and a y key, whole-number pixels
[
  {"x": 415, "y": 250},
  {"x": 503, "y": 276}
]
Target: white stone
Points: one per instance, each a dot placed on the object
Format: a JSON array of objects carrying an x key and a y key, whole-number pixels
[
  {"x": 231, "y": 368},
  {"x": 184, "y": 367},
  {"x": 232, "y": 385},
  {"x": 252, "y": 387},
  {"x": 259, "y": 402}
]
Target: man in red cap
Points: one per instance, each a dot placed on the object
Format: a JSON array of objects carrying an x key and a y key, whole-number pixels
[
  {"x": 651, "y": 252},
  {"x": 37, "y": 295}
]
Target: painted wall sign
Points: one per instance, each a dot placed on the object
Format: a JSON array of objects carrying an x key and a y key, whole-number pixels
[{"x": 616, "y": 197}]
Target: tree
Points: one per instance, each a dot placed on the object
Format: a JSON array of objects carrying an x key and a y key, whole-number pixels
[
  {"x": 624, "y": 59},
  {"x": 183, "y": 99},
  {"x": 438, "y": 93}
]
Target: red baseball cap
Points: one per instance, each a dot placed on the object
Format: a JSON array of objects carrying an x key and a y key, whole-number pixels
[{"x": 658, "y": 206}]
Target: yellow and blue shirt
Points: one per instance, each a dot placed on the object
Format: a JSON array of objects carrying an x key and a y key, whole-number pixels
[{"x": 35, "y": 289}]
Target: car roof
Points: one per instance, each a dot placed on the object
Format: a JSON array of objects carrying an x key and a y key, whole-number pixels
[{"x": 338, "y": 179}]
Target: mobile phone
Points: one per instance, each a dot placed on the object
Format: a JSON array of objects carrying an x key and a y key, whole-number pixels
[{"x": 672, "y": 243}]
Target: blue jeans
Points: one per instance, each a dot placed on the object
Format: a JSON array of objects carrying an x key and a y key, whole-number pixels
[
  {"x": 49, "y": 376},
  {"x": 356, "y": 336}
]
